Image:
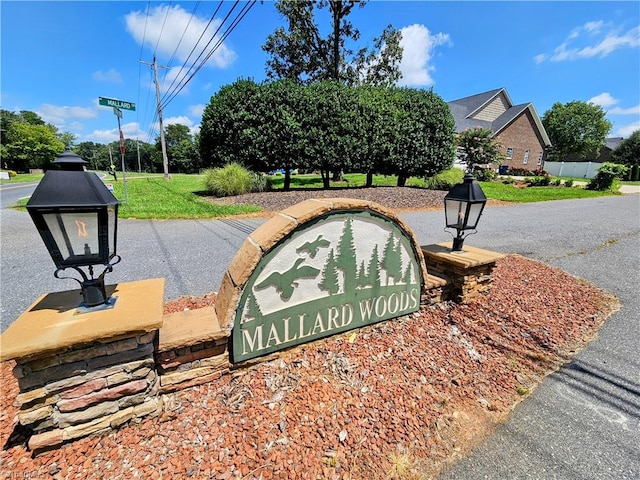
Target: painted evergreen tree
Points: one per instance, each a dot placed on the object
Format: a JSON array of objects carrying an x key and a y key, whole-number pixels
[
  {"x": 253, "y": 309},
  {"x": 346, "y": 258},
  {"x": 329, "y": 281},
  {"x": 362, "y": 276},
  {"x": 392, "y": 261},
  {"x": 374, "y": 268},
  {"x": 407, "y": 274}
]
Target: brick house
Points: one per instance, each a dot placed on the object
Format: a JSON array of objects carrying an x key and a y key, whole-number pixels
[{"x": 517, "y": 127}]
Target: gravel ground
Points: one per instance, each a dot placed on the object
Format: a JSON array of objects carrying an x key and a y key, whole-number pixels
[
  {"x": 401, "y": 199},
  {"x": 398, "y": 400}
]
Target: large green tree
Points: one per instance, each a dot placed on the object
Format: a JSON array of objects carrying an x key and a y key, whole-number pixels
[
  {"x": 282, "y": 139},
  {"x": 575, "y": 128},
  {"x": 301, "y": 52},
  {"x": 182, "y": 150},
  {"x": 628, "y": 153},
  {"x": 30, "y": 146},
  {"x": 230, "y": 125},
  {"x": 420, "y": 134}
]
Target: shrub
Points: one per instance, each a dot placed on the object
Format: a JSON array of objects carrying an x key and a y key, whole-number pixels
[
  {"x": 261, "y": 182},
  {"x": 232, "y": 179},
  {"x": 607, "y": 177},
  {"x": 538, "y": 181},
  {"x": 12, "y": 173},
  {"x": 484, "y": 174},
  {"x": 557, "y": 182},
  {"x": 508, "y": 180},
  {"x": 444, "y": 180},
  {"x": 568, "y": 183}
]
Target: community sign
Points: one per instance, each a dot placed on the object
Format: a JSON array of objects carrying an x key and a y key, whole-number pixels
[{"x": 341, "y": 271}]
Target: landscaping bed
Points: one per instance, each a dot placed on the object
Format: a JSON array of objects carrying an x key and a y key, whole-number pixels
[{"x": 398, "y": 400}]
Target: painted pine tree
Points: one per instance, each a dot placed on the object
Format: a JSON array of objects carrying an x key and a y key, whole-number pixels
[
  {"x": 374, "y": 268},
  {"x": 329, "y": 281},
  {"x": 392, "y": 260},
  {"x": 253, "y": 309},
  {"x": 346, "y": 258}
]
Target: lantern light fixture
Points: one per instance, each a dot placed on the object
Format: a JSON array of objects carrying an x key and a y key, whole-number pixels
[
  {"x": 77, "y": 218},
  {"x": 463, "y": 206}
]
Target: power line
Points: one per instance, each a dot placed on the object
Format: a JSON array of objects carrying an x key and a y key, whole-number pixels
[
  {"x": 169, "y": 96},
  {"x": 167, "y": 93}
]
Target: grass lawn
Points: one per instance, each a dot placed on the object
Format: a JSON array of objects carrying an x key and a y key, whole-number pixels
[
  {"x": 153, "y": 197},
  {"x": 510, "y": 193}
]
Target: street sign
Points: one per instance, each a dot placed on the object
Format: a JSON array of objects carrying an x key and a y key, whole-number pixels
[
  {"x": 117, "y": 112},
  {"x": 111, "y": 102}
]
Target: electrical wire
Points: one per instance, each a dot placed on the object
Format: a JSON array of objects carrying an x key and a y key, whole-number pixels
[
  {"x": 162, "y": 100},
  {"x": 169, "y": 96}
]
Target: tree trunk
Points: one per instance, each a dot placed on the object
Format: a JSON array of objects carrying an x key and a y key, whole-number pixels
[
  {"x": 337, "y": 175},
  {"x": 369, "y": 179},
  {"x": 287, "y": 180},
  {"x": 325, "y": 179},
  {"x": 402, "y": 179}
]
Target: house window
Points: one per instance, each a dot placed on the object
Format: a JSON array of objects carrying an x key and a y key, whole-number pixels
[
  {"x": 540, "y": 158},
  {"x": 525, "y": 160},
  {"x": 509, "y": 153}
]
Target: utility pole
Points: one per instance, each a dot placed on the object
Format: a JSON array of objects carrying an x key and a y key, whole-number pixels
[{"x": 165, "y": 159}]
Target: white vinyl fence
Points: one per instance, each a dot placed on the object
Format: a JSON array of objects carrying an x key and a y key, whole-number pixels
[{"x": 572, "y": 169}]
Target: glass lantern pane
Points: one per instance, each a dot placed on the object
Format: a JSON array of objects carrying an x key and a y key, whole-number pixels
[
  {"x": 75, "y": 234},
  {"x": 454, "y": 211},
  {"x": 475, "y": 209},
  {"x": 111, "y": 214}
]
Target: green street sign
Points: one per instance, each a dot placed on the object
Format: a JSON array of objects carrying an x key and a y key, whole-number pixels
[{"x": 111, "y": 102}]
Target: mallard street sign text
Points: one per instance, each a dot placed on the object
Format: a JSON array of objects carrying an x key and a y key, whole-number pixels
[{"x": 111, "y": 102}]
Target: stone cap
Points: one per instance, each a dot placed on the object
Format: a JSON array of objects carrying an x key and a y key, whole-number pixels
[
  {"x": 470, "y": 257},
  {"x": 189, "y": 327},
  {"x": 54, "y": 322}
]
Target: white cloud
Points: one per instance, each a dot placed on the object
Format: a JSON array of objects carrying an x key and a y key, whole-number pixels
[
  {"x": 625, "y": 111},
  {"x": 130, "y": 130},
  {"x": 110, "y": 76},
  {"x": 173, "y": 31},
  {"x": 604, "y": 100},
  {"x": 574, "y": 47},
  {"x": 65, "y": 118},
  {"x": 197, "y": 110},
  {"x": 626, "y": 130},
  {"x": 181, "y": 120},
  {"x": 418, "y": 46}
]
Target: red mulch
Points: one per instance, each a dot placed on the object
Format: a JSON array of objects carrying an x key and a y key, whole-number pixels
[{"x": 398, "y": 400}]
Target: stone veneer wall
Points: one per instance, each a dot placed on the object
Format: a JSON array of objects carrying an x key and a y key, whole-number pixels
[
  {"x": 87, "y": 389},
  {"x": 467, "y": 274},
  {"x": 191, "y": 365},
  {"x": 191, "y": 349}
]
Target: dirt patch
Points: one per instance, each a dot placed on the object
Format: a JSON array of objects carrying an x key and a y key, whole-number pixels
[{"x": 397, "y": 400}]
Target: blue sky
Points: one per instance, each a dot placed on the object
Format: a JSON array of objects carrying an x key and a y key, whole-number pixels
[{"x": 57, "y": 58}]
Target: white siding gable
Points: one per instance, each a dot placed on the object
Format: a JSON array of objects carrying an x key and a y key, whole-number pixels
[{"x": 493, "y": 109}]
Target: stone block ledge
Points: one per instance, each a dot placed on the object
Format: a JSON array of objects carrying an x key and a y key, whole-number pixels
[{"x": 53, "y": 323}]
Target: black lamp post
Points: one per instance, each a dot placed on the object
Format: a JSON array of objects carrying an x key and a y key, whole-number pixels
[
  {"x": 463, "y": 206},
  {"x": 77, "y": 218}
]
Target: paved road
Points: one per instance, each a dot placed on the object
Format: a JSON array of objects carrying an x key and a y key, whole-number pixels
[
  {"x": 584, "y": 421},
  {"x": 581, "y": 423}
]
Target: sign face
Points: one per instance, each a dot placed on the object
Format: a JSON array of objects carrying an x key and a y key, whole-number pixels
[
  {"x": 111, "y": 102},
  {"x": 117, "y": 112},
  {"x": 340, "y": 272}
]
